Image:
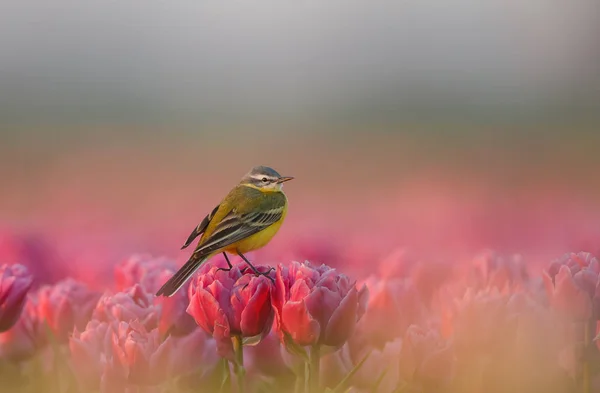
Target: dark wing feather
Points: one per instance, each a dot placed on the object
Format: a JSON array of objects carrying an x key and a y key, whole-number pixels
[
  {"x": 234, "y": 228},
  {"x": 200, "y": 228}
]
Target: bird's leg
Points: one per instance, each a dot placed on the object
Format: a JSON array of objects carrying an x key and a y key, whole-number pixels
[
  {"x": 255, "y": 270},
  {"x": 228, "y": 264}
]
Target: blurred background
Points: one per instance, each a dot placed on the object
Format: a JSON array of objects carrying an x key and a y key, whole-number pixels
[{"x": 444, "y": 127}]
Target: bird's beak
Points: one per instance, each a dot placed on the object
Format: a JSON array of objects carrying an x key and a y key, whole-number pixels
[{"x": 283, "y": 179}]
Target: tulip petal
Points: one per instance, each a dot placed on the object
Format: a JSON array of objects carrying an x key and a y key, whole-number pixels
[
  {"x": 257, "y": 311},
  {"x": 298, "y": 322},
  {"x": 342, "y": 322}
]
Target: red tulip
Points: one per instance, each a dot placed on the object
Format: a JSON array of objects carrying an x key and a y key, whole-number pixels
[
  {"x": 233, "y": 303},
  {"x": 315, "y": 305},
  {"x": 15, "y": 282},
  {"x": 129, "y": 305},
  {"x": 65, "y": 305}
]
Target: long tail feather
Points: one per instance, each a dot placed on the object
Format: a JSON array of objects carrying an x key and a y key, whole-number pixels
[{"x": 182, "y": 275}]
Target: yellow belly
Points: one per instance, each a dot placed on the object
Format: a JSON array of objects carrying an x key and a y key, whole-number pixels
[{"x": 257, "y": 240}]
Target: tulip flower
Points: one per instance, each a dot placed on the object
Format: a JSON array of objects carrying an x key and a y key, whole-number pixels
[
  {"x": 393, "y": 306},
  {"x": 572, "y": 285},
  {"x": 132, "y": 304},
  {"x": 425, "y": 359},
  {"x": 65, "y": 305},
  {"x": 15, "y": 282},
  {"x": 150, "y": 273},
  {"x": 234, "y": 307},
  {"x": 117, "y": 356},
  {"x": 316, "y": 306},
  {"x": 144, "y": 270}
]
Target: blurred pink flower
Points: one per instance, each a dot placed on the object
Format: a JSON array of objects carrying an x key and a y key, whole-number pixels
[
  {"x": 151, "y": 273},
  {"x": 233, "y": 303},
  {"x": 15, "y": 282},
  {"x": 66, "y": 305},
  {"x": 398, "y": 264},
  {"x": 133, "y": 304},
  {"x": 117, "y": 356},
  {"x": 481, "y": 321},
  {"x": 572, "y": 285},
  {"x": 89, "y": 356},
  {"x": 265, "y": 358},
  {"x": 316, "y": 305},
  {"x": 139, "y": 355},
  {"x": 393, "y": 306},
  {"x": 494, "y": 270},
  {"x": 381, "y": 369},
  {"x": 27, "y": 336},
  {"x": 425, "y": 358}
]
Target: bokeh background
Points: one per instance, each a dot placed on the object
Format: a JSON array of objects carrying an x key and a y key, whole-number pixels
[{"x": 443, "y": 127}]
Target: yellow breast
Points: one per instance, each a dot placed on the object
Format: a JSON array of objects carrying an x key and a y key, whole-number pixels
[{"x": 259, "y": 239}]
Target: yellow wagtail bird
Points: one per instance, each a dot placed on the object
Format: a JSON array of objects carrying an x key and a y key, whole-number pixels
[{"x": 247, "y": 219}]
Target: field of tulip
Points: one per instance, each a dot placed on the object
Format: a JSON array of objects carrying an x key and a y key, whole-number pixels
[{"x": 491, "y": 323}]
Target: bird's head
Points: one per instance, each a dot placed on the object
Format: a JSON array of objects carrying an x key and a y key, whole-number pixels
[{"x": 264, "y": 178}]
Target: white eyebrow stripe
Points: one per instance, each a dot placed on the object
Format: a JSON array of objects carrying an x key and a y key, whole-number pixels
[{"x": 259, "y": 177}]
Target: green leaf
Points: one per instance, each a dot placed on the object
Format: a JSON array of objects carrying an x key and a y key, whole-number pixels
[
  {"x": 225, "y": 381},
  {"x": 339, "y": 388}
]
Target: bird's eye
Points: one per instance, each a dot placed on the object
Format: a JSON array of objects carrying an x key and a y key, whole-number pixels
[{"x": 264, "y": 179}]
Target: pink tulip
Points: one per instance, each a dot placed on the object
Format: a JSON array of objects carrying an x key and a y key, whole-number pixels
[
  {"x": 567, "y": 297},
  {"x": 316, "y": 305},
  {"x": 15, "y": 282},
  {"x": 425, "y": 358},
  {"x": 481, "y": 321},
  {"x": 132, "y": 304},
  {"x": 265, "y": 358},
  {"x": 151, "y": 274},
  {"x": 393, "y": 306},
  {"x": 234, "y": 303},
  {"x": 65, "y": 305},
  {"x": 379, "y": 372},
  {"x": 120, "y": 356},
  {"x": 89, "y": 355},
  {"x": 573, "y": 285}
]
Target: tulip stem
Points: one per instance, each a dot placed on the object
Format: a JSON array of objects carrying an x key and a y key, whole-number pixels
[
  {"x": 314, "y": 368},
  {"x": 238, "y": 364},
  {"x": 586, "y": 365}
]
